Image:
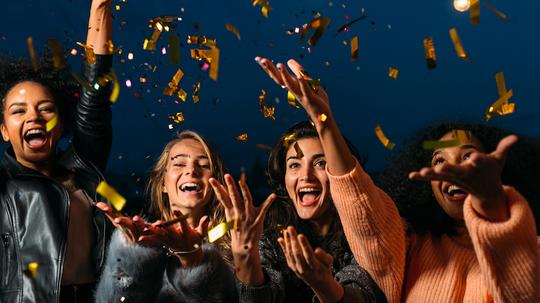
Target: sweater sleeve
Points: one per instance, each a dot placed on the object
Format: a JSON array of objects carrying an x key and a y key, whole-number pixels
[
  {"x": 507, "y": 251},
  {"x": 358, "y": 285},
  {"x": 373, "y": 228},
  {"x": 131, "y": 271},
  {"x": 210, "y": 281}
]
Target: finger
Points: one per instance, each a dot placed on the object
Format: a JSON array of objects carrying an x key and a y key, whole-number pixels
[
  {"x": 271, "y": 70},
  {"x": 139, "y": 224},
  {"x": 288, "y": 252},
  {"x": 246, "y": 194},
  {"x": 265, "y": 206},
  {"x": 150, "y": 240},
  {"x": 306, "y": 90},
  {"x": 221, "y": 193},
  {"x": 290, "y": 82},
  {"x": 307, "y": 251},
  {"x": 296, "y": 252},
  {"x": 324, "y": 257},
  {"x": 297, "y": 69},
  {"x": 504, "y": 147},
  {"x": 234, "y": 195},
  {"x": 202, "y": 228},
  {"x": 125, "y": 222}
]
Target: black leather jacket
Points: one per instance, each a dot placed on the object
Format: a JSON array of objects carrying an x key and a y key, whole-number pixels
[{"x": 34, "y": 209}]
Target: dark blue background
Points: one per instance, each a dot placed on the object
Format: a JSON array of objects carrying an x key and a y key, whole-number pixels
[{"x": 361, "y": 92}]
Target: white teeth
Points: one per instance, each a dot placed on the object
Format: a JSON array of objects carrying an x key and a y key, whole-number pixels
[
  {"x": 189, "y": 186},
  {"x": 453, "y": 188},
  {"x": 35, "y": 131},
  {"x": 308, "y": 190}
]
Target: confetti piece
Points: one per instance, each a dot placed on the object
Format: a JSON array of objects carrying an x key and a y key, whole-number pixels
[
  {"x": 179, "y": 117},
  {"x": 211, "y": 55},
  {"x": 111, "y": 77},
  {"x": 457, "y": 135},
  {"x": 174, "y": 49},
  {"x": 319, "y": 24},
  {"x": 429, "y": 52},
  {"x": 474, "y": 11},
  {"x": 501, "y": 107},
  {"x": 354, "y": 48},
  {"x": 287, "y": 139},
  {"x": 298, "y": 150},
  {"x": 73, "y": 52},
  {"x": 265, "y": 6},
  {"x": 196, "y": 89},
  {"x": 499, "y": 14},
  {"x": 130, "y": 56},
  {"x": 82, "y": 82},
  {"x": 345, "y": 26},
  {"x": 233, "y": 30},
  {"x": 32, "y": 52},
  {"x": 322, "y": 117},
  {"x": 462, "y": 5},
  {"x": 173, "y": 86},
  {"x": 57, "y": 53},
  {"x": 159, "y": 24},
  {"x": 393, "y": 72},
  {"x": 51, "y": 123},
  {"x": 88, "y": 53},
  {"x": 263, "y": 146},
  {"x": 267, "y": 110},
  {"x": 128, "y": 83},
  {"x": 109, "y": 193},
  {"x": 501, "y": 83},
  {"x": 384, "y": 140},
  {"x": 33, "y": 269},
  {"x": 291, "y": 99},
  {"x": 220, "y": 230},
  {"x": 242, "y": 137},
  {"x": 202, "y": 40},
  {"x": 458, "y": 46}
]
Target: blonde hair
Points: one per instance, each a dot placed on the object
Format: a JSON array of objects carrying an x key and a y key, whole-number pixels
[{"x": 159, "y": 201}]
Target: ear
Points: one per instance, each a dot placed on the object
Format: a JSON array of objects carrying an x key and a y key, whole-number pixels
[{"x": 4, "y": 131}]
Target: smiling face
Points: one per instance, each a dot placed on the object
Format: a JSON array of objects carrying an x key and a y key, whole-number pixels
[
  {"x": 27, "y": 108},
  {"x": 450, "y": 196},
  {"x": 186, "y": 177},
  {"x": 306, "y": 179}
]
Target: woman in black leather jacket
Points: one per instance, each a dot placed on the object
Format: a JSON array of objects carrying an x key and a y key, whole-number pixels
[{"x": 47, "y": 213}]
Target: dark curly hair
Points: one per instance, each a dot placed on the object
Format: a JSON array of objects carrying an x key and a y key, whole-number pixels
[
  {"x": 415, "y": 200},
  {"x": 63, "y": 88}
]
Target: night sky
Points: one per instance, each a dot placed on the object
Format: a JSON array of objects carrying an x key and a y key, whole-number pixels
[{"x": 362, "y": 94}]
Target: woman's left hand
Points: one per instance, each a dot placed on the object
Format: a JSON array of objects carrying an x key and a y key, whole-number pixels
[
  {"x": 480, "y": 176},
  {"x": 312, "y": 266}
]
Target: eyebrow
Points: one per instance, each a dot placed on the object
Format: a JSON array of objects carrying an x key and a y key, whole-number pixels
[
  {"x": 315, "y": 156},
  {"x": 188, "y": 156},
  {"x": 464, "y": 146},
  {"x": 20, "y": 103}
]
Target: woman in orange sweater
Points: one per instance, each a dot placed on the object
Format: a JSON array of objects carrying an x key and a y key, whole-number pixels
[{"x": 492, "y": 255}]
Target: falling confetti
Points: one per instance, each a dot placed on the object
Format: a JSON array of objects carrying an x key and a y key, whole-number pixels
[
  {"x": 384, "y": 140},
  {"x": 109, "y": 193}
]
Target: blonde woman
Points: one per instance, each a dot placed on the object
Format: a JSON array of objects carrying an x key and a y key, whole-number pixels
[{"x": 156, "y": 262}]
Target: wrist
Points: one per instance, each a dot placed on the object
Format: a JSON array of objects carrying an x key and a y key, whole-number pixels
[
  {"x": 187, "y": 258},
  {"x": 328, "y": 290},
  {"x": 493, "y": 208}
]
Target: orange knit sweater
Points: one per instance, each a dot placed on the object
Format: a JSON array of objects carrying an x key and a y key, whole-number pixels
[{"x": 500, "y": 262}]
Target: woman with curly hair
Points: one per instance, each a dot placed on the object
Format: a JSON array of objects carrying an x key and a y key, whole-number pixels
[
  {"x": 161, "y": 262},
  {"x": 53, "y": 240},
  {"x": 310, "y": 260},
  {"x": 493, "y": 255}
]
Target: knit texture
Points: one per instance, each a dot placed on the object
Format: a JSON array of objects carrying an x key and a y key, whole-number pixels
[{"x": 499, "y": 262}]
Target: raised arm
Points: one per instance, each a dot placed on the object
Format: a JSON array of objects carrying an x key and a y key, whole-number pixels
[{"x": 93, "y": 131}]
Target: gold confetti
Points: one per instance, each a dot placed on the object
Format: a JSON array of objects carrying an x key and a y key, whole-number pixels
[
  {"x": 501, "y": 83},
  {"x": 174, "y": 50},
  {"x": 265, "y": 6},
  {"x": 319, "y": 24},
  {"x": 499, "y": 14},
  {"x": 32, "y": 52},
  {"x": 179, "y": 117},
  {"x": 82, "y": 82},
  {"x": 287, "y": 139},
  {"x": 109, "y": 193},
  {"x": 384, "y": 140},
  {"x": 267, "y": 110},
  {"x": 211, "y": 55},
  {"x": 173, "y": 86},
  {"x": 196, "y": 89},
  {"x": 354, "y": 48},
  {"x": 33, "y": 269},
  {"x": 221, "y": 229},
  {"x": 322, "y": 117},
  {"x": 429, "y": 52},
  {"x": 110, "y": 77},
  {"x": 51, "y": 124},
  {"x": 501, "y": 107},
  {"x": 263, "y": 146},
  {"x": 291, "y": 99},
  {"x": 457, "y": 135},
  {"x": 159, "y": 24},
  {"x": 393, "y": 72},
  {"x": 57, "y": 53},
  {"x": 242, "y": 137},
  {"x": 233, "y": 30},
  {"x": 458, "y": 46},
  {"x": 109, "y": 45},
  {"x": 298, "y": 150},
  {"x": 474, "y": 11},
  {"x": 88, "y": 53}
]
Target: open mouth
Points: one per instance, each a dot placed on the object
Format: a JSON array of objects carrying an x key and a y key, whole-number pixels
[
  {"x": 35, "y": 138},
  {"x": 190, "y": 187},
  {"x": 309, "y": 196},
  {"x": 455, "y": 193}
]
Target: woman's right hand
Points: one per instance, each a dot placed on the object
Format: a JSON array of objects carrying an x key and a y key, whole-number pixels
[
  {"x": 132, "y": 228},
  {"x": 249, "y": 226}
]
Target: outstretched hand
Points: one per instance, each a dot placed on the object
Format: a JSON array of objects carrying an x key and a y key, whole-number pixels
[
  {"x": 480, "y": 176},
  {"x": 132, "y": 228},
  {"x": 313, "y": 99}
]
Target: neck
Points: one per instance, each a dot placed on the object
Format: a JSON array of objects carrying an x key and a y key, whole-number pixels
[
  {"x": 45, "y": 167},
  {"x": 322, "y": 224},
  {"x": 195, "y": 215}
]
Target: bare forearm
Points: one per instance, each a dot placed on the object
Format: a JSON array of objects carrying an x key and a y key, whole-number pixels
[
  {"x": 100, "y": 27},
  {"x": 338, "y": 156}
]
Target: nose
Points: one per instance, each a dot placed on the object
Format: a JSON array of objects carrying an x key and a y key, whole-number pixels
[
  {"x": 32, "y": 115},
  {"x": 306, "y": 173},
  {"x": 192, "y": 169}
]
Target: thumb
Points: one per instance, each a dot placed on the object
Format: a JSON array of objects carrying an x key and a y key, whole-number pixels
[
  {"x": 202, "y": 229},
  {"x": 324, "y": 257},
  {"x": 504, "y": 146}
]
